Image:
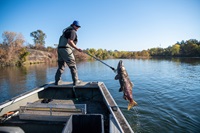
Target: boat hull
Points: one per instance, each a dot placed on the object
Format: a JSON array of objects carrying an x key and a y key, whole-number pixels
[{"x": 50, "y": 107}]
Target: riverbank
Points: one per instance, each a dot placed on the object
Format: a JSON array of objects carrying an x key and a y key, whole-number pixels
[{"x": 37, "y": 56}]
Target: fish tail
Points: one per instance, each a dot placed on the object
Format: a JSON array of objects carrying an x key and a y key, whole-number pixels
[{"x": 131, "y": 104}]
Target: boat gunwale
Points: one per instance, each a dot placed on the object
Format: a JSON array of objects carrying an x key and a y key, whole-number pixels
[
  {"x": 20, "y": 97},
  {"x": 111, "y": 110}
]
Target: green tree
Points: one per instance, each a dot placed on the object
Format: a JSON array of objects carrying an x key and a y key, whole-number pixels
[
  {"x": 99, "y": 53},
  {"x": 189, "y": 49},
  {"x": 123, "y": 54},
  {"x": 105, "y": 54},
  {"x": 134, "y": 55},
  {"x": 91, "y": 51},
  {"x": 23, "y": 53},
  {"x": 198, "y": 50},
  {"x": 145, "y": 53},
  {"x": 153, "y": 51},
  {"x": 175, "y": 50},
  {"x": 115, "y": 54},
  {"x": 38, "y": 38}
]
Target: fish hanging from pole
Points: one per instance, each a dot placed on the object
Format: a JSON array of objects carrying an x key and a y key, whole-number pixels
[{"x": 125, "y": 84}]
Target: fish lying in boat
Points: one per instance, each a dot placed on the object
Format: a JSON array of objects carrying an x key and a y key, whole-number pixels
[{"x": 125, "y": 84}]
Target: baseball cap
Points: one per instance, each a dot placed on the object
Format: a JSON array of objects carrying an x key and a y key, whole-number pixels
[{"x": 76, "y": 23}]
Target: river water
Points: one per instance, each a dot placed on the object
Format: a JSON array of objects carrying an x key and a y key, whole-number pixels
[{"x": 167, "y": 90}]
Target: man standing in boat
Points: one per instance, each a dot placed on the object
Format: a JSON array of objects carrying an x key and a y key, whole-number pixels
[{"x": 67, "y": 43}]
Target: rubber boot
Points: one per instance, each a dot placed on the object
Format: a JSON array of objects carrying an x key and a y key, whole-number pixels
[
  {"x": 59, "y": 82},
  {"x": 57, "y": 79},
  {"x": 74, "y": 75},
  {"x": 60, "y": 70}
]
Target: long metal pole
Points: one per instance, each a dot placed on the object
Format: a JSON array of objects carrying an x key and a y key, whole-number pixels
[{"x": 101, "y": 61}]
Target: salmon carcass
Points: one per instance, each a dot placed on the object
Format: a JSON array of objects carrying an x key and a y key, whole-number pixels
[{"x": 125, "y": 84}]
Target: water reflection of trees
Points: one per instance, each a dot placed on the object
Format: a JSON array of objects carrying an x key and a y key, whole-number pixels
[{"x": 192, "y": 61}]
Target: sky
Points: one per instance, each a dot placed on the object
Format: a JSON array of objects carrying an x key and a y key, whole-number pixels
[{"x": 124, "y": 25}]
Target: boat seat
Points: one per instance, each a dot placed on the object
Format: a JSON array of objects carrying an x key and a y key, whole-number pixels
[{"x": 57, "y": 111}]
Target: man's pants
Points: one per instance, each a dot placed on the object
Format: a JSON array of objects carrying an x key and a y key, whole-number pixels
[{"x": 66, "y": 56}]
